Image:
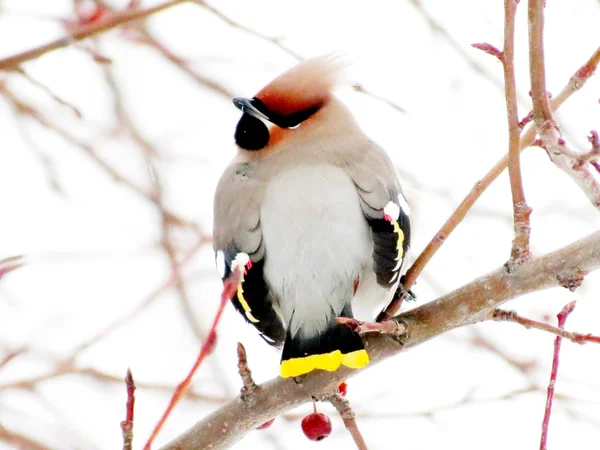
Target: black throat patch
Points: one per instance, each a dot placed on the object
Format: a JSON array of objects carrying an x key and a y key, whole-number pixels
[{"x": 251, "y": 133}]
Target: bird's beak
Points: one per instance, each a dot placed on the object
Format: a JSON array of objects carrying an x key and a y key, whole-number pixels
[{"x": 246, "y": 105}]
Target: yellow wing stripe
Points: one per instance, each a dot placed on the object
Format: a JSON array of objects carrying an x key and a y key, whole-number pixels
[
  {"x": 400, "y": 241},
  {"x": 244, "y": 303},
  {"x": 328, "y": 361}
]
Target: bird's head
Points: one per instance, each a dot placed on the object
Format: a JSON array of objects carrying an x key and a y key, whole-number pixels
[{"x": 287, "y": 102}]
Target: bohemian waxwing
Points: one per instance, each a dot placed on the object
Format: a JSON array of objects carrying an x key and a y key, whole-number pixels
[{"x": 312, "y": 211}]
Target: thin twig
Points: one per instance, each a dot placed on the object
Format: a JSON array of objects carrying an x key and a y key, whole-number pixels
[
  {"x": 347, "y": 414},
  {"x": 562, "y": 318},
  {"x": 575, "y": 83},
  {"x": 467, "y": 400},
  {"x": 20, "y": 440},
  {"x": 113, "y": 326},
  {"x": 181, "y": 64},
  {"x": 457, "y": 46},
  {"x": 539, "y": 96},
  {"x": 249, "y": 387},
  {"x": 501, "y": 315},
  {"x": 11, "y": 355},
  {"x": 46, "y": 162},
  {"x": 85, "y": 31},
  {"x": 545, "y": 124},
  {"x": 12, "y": 263},
  {"x": 49, "y": 92},
  {"x": 480, "y": 341},
  {"x": 490, "y": 50},
  {"x": 229, "y": 288},
  {"x": 277, "y": 42},
  {"x": 127, "y": 424},
  {"x": 594, "y": 154},
  {"x": 145, "y": 37},
  {"x": 521, "y": 211},
  {"x": 577, "y": 80},
  {"x": 26, "y": 109},
  {"x": 149, "y": 153},
  {"x": 595, "y": 141},
  {"x": 66, "y": 368}
]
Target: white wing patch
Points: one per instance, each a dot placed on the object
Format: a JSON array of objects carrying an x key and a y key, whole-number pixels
[
  {"x": 240, "y": 261},
  {"x": 220, "y": 262}
]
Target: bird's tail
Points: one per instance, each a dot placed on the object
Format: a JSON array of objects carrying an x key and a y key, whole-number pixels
[{"x": 336, "y": 345}]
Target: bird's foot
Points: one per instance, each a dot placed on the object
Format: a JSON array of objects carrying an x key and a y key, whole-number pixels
[
  {"x": 390, "y": 327},
  {"x": 403, "y": 293}
]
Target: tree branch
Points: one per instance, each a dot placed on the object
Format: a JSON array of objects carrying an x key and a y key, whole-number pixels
[
  {"x": 501, "y": 315},
  {"x": 562, "y": 318},
  {"x": 86, "y": 31},
  {"x": 347, "y": 414},
  {"x": 575, "y": 83},
  {"x": 127, "y": 424},
  {"x": 545, "y": 124},
  {"x": 521, "y": 211},
  {"x": 469, "y": 304},
  {"x": 249, "y": 387},
  {"x": 277, "y": 42},
  {"x": 229, "y": 287}
]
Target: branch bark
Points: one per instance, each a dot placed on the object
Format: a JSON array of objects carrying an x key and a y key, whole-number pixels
[
  {"x": 521, "y": 211},
  {"x": 127, "y": 424},
  {"x": 544, "y": 121},
  {"x": 84, "y": 32},
  {"x": 348, "y": 417},
  {"x": 469, "y": 304},
  {"x": 501, "y": 315},
  {"x": 562, "y": 318}
]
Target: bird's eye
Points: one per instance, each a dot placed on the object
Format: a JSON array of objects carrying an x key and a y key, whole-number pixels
[{"x": 251, "y": 133}]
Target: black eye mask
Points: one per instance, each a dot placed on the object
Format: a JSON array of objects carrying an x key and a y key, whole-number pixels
[
  {"x": 251, "y": 133},
  {"x": 281, "y": 121}
]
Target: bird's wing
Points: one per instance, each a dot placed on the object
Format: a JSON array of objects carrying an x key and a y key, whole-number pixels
[
  {"x": 237, "y": 233},
  {"x": 385, "y": 209}
]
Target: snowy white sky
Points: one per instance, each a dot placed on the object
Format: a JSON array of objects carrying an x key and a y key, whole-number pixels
[{"x": 93, "y": 247}]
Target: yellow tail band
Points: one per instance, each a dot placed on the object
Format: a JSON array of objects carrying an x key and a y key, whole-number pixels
[{"x": 328, "y": 361}]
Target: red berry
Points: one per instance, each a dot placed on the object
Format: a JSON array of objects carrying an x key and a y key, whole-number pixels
[
  {"x": 266, "y": 425},
  {"x": 343, "y": 388},
  {"x": 316, "y": 426}
]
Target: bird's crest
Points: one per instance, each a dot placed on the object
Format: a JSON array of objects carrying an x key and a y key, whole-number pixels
[{"x": 304, "y": 86}]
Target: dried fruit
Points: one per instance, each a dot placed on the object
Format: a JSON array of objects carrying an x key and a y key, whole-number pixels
[{"x": 316, "y": 426}]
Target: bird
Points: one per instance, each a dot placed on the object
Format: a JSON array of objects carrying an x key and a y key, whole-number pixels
[{"x": 312, "y": 214}]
